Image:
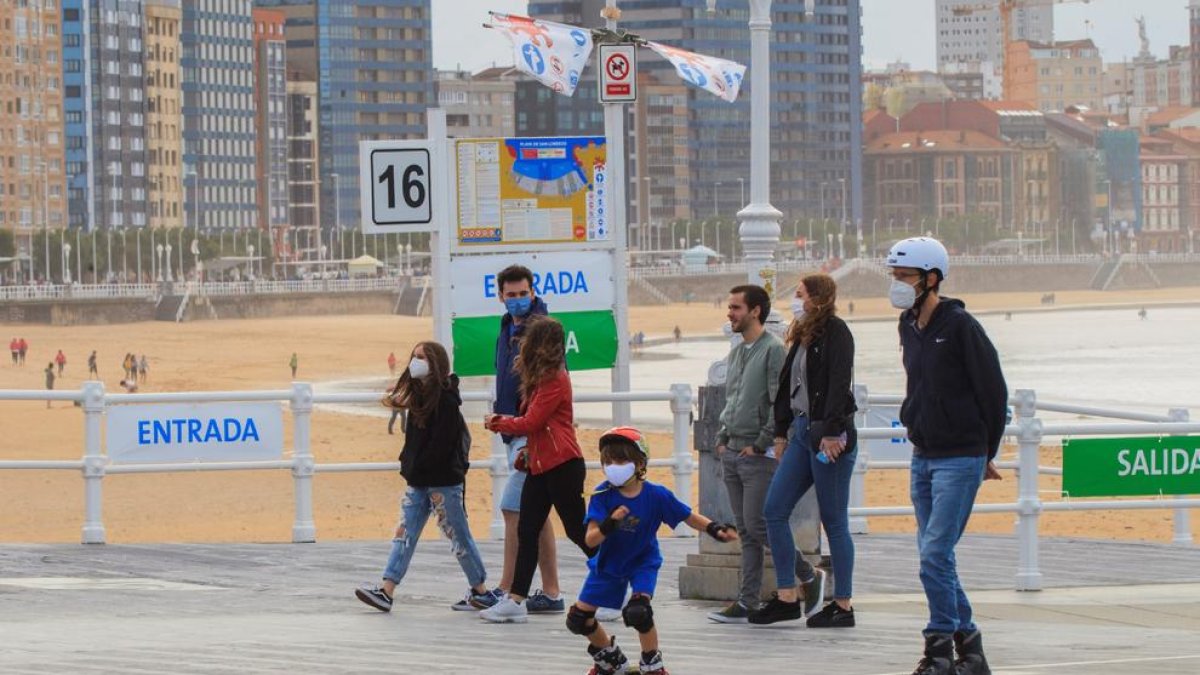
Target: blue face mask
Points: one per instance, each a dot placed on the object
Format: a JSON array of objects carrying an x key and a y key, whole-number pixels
[{"x": 518, "y": 307}]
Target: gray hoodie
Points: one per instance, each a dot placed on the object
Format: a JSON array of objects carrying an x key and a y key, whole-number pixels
[{"x": 750, "y": 386}]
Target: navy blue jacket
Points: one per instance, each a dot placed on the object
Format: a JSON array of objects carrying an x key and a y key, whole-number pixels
[
  {"x": 508, "y": 345},
  {"x": 957, "y": 401}
]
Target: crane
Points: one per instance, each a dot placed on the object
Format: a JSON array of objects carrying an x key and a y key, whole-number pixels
[{"x": 1006, "y": 9}]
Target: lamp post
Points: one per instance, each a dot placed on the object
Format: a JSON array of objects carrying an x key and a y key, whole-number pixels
[
  {"x": 250, "y": 254},
  {"x": 843, "y": 182},
  {"x": 408, "y": 258},
  {"x": 168, "y": 259},
  {"x": 400, "y": 259},
  {"x": 66, "y": 261},
  {"x": 108, "y": 275},
  {"x": 645, "y": 212},
  {"x": 159, "y": 250},
  {"x": 742, "y": 189},
  {"x": 125, "y": 259},
  {"x": 716, "y": 188}
]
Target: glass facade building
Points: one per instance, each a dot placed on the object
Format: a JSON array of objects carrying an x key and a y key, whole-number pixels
[{"x": 373, "y": 64}]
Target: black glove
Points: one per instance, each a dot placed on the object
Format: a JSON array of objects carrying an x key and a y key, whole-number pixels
[
  {"x": 610, "y": 524},
  {"x": 714, "y": 529}
]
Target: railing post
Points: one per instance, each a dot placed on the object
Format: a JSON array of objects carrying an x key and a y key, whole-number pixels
[
  {"x": 304, "y": 531},
  {"x": 499, "y": 471},
  {"x": 858, "y": 480},
  {"x": 1029, "y": 505},
  {"x": 1183, "y": 517},
  {"x": 94, "y": 463},
  {"x": 681, "y": 411}
]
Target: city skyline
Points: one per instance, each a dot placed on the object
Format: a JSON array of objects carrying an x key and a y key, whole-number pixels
[{"x": 459, "y": 39}]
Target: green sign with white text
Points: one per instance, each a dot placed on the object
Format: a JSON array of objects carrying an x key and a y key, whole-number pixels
[
  {"x": 1120, "y": 467},
  {"x": 591, "y": 341}
]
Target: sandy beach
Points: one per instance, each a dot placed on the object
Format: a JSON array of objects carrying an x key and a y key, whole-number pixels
[{"x": 43, "y": 506}]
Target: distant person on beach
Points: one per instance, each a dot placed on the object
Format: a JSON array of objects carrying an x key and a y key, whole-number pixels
[
  {"x": 1142, "y": 314},
  {"x": 125, "y": 364},
  {"x": 850, "y": 307},
  {"x": 92, "y": 365},
  {"x": 129, "y": 385},
  {"x": 22, "y": 349},
  {"x": 391, "y": 361},
  {"x": 49, "y": 379},
  {"x": 678, "y": 334},
  {"x": 133, "y": 368},
  {"x": 521, "y": 304},
  {"x": 1008, "y": 316},
  {"x": 14, "y": 348},
  {"x": 434, "y": 463},
  {"x": 954, "y": 408},
  {"x": 60, "y": 360},
  {"x": 143, "y": 367},
  {"x": 551, "y": 455},
  {"x": 294, "y": 363}
]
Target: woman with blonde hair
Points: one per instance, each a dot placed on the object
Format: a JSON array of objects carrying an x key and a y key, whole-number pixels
[
  {"x": 816, "y": 404},
  {"x": 552, "y": 457}
]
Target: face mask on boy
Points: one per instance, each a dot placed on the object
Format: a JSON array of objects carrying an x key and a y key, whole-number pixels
[{"x": 619, "y": 474}]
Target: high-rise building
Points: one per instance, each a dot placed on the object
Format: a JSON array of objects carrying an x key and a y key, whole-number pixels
[
  {"x": 77, "y": 111},
  {"x": 373, "y": 61},
  {"x": 969, "y": 31},
  {"x": 218, "y": 113},
  {"x": 304, "y": 171},
  {"x": 1055, "y": 76},
  {"x": 660, "y": 132},
  {"x": 31, "y": 108},
  {"x": 164, "y": 105},
  {"x": 480, "y": 104},
  {"x": 271, "y": 121},
  {"x": 118, "y": 114},
  {"x": 816, "y": 92}
]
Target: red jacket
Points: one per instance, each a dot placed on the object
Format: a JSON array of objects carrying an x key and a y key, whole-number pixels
[{"x": 548, "y": 423}]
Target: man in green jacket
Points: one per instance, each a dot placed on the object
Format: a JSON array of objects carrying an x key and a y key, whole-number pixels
[{"x": 745, "y": 441}]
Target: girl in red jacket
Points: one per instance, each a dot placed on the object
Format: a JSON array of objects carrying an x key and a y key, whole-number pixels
[{"x": 552, "y": 457}]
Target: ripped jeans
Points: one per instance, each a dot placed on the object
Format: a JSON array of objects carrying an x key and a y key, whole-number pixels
[{"x": 446, "y": 503}]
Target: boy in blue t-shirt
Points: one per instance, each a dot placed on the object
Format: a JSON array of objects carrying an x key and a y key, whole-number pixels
[{"x": 623, "y": 520}]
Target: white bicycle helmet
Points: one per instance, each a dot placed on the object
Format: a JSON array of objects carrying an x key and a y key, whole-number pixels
[{"x": 923, "y": 253}]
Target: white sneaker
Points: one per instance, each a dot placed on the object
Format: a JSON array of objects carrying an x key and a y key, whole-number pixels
[
  {"x": 506, "y": 611},
  {"x": 607, "y": 614}
]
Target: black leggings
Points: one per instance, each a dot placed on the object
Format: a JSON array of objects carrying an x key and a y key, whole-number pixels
[{"x": 562, "y": 488}]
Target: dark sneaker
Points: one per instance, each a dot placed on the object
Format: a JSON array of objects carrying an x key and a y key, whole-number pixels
[
  {"x": 939, "y": 656},
  {"x": 833, "y": 616},
  {"x": 814, "y": 592},
  {"x": 475, "y": 601},
  {"x": 540, "y": 603},
  {"x": 653, "y": 664},
  {"x": 971, "y": 660},
  {"x": 776, "y": 610},
  {"x": 375, "y": 597},
  {"x": 607, "y": 660},
  {"x": 735, "y": 613}
]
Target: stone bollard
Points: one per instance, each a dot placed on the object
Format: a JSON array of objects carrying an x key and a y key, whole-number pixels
[{"x": 714, "y": 573}]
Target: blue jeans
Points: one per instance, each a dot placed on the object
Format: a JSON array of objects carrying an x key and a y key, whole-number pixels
[
  {"x": 798, "y": 471},
  {"x": 943, "y": 494},
  {"x": 447, "y": 504}
]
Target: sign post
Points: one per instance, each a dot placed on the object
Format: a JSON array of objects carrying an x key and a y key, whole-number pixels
[
  {"x": 614, "y": 131},
  {"x": 1123, "y": 467},
  {"x": 618, "y": 73}
]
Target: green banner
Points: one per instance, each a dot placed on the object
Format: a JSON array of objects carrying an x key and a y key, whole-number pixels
[
  {"x": 591, "y": 341},
  {"x": 1119, "y": 467}
]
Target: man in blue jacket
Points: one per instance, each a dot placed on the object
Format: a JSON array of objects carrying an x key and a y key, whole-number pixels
[
  {"x": 517, "y": 294},
  {"x": 955, "y": 408}
]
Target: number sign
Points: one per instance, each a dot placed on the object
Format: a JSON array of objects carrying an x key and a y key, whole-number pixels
[{"x": 398, "y": 181}]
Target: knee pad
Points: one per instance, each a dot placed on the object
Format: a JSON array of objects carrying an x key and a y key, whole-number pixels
[
  {"x": 638, "y": 614},
  {"x": 580, "y": 622}
]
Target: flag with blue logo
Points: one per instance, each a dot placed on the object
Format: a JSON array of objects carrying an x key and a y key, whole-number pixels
[
  {"x": 552, "y": 53},
  {"x": 719, "y": 76}
]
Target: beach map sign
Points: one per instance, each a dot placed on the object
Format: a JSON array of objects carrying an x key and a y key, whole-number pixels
[
  {"x": 577, "y": 287},
  {"x": 1119, "y": 467},
  {"x": 531, "y": 193}
]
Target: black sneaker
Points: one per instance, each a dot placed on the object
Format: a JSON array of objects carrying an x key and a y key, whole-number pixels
[
  {"x": 776, "y": 610},
  {"x": 734, "y": 613},
  {"x": 939, "y": 656},
  {"x": 375, "y": 597},
  {"x": 832, "y": 616}
]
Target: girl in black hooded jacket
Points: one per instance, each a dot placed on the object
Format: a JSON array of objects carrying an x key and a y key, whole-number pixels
[{"x": 434, "y": 463}]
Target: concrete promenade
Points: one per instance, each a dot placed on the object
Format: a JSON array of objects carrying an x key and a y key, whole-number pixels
[{"x": 273, "y": 608}]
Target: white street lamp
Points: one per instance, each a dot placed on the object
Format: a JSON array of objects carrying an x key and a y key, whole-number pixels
[
  {"x": 400, "y": 259},
  {"x": 159, "y": 250},
  {"x": 168, "y": 248},
  {"x": 250, "y": 253},
  {"x": 66, "y": 273}
]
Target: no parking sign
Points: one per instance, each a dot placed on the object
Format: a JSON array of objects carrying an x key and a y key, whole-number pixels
[{"x": 618, "y": 73}]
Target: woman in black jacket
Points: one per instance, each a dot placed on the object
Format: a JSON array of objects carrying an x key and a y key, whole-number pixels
[
  {"x": 816, "y": 404},
  {"x": 434, "y": 462}
]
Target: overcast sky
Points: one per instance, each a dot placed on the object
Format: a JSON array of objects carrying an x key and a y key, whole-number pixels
[{"x": 892, "y": 29}]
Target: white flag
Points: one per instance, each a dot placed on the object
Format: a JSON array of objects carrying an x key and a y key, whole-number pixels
[
  {"x": 553, "y": 53},
  {"x": 721, "y": 77}
]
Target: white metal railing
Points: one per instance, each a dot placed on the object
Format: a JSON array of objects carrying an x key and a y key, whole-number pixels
[
  {"x": 209, "y": 288},
  {"x": 94, "y": 464},
  {"x": 77, "y": 291},
  {"x": 1030, "y": 431}
]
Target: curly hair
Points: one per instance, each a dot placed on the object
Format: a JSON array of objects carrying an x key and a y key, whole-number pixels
[
  {"x": 543, "y": 353},
  {"x": 420, "y": 396},
  {"x": 822, "y": 292}
]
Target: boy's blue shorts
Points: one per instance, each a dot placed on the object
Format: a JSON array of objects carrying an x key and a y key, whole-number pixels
[{"x": 606, "y": 590}]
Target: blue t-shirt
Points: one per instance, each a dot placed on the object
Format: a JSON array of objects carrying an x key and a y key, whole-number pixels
[{"x": 634, "y": 544}]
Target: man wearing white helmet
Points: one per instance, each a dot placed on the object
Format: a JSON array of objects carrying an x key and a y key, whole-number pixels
[{"x": 954, "y": 408}]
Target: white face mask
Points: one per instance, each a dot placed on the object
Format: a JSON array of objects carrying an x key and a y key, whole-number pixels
[
  {"x": 902, "y": 295},
  {"x": 418, "y": 368},
  {"x": 619, "y": 474},
  {"x": 798, "y": 308}
]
